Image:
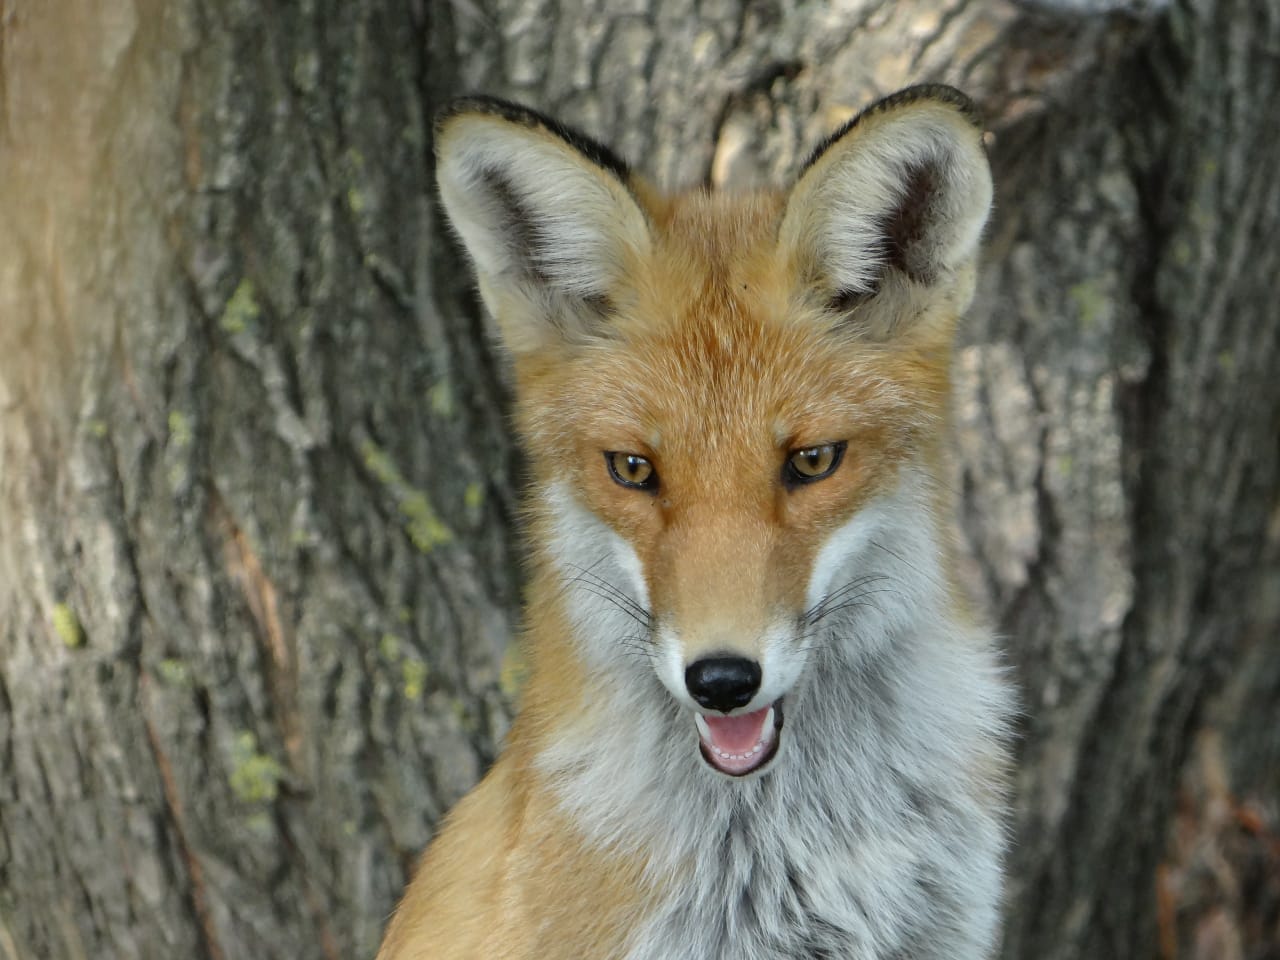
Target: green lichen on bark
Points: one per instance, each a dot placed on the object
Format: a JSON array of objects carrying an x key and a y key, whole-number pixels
[
  {"x": 255, "y": 776},
  {"x": 413, "y": 672},
  {"x": 67, "y": 626},
  {"x": 180, "y": 431},
  {"x": 241, "y": 310},
  {"x": 422, "y": 523}
]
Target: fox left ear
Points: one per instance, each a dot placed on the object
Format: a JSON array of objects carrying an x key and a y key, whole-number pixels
[
  {"x": 548, "y": 216},
  {"x": 904, "y": 187}
]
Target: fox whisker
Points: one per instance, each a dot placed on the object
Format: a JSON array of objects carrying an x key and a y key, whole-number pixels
[
  {"x": 907, "y": 563},
  {"x": 637, "y": 647},
  {"x": 836, "y": 598},
  {"x": 602, "y": 588},
  {"x": 858, "y": 600}
]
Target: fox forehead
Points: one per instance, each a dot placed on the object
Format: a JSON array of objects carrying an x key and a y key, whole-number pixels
[
  {"x": 709, "y": 351},
  {"x": 732, "y": 379},
  {"x": 714, "y": 243}
]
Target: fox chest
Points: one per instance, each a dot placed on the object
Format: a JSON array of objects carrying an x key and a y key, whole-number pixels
[
  {"x": 745, "y": 917},
  {"x": 754, "y": 896},
  {"x": 800, "y": 883}
]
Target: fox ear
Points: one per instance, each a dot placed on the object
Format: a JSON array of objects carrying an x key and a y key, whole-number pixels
[
  {"x": 902, "y": 191},
  {"x": 546, "y": 214}
]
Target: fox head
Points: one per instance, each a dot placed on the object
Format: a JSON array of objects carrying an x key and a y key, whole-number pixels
[{"x": 733, "y": 404}]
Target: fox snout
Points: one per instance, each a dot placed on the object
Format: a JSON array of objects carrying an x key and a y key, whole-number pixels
[
  {"x": 736, "y": 744},
  {"x": 732, "y": 695}
]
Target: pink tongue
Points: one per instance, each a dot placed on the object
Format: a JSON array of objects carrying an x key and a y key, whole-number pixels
[{"x": 736, "y": 735}]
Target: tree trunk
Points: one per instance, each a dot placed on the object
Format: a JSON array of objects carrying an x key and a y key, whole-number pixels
[{"x": 258, "y": 558}]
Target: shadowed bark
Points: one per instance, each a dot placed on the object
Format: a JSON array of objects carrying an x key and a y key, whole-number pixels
[{"x": 258, "y": 551}]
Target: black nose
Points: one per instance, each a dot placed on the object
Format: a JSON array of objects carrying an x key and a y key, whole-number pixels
[{"x": 722, "y": 683}]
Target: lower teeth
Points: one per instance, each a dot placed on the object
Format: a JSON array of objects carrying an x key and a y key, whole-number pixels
[
  {"x": 760, "y": 744},
  {"x": 737, "y": 756}
]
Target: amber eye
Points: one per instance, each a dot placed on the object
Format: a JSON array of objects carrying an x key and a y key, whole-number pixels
[
  {"x": 812, "y": 463},
  {"x": 632, "y": 470}
]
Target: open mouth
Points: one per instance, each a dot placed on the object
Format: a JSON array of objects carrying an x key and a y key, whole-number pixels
[{"x": 742, "y": 744}]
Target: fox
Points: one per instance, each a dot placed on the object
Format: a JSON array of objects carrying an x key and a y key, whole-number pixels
[{"x": 761, "y": 718}]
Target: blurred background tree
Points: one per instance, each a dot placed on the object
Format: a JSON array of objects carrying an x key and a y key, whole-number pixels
[{"x": 259, "y": 564}]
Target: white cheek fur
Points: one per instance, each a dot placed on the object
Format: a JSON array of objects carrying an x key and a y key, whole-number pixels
[
  {"x": 845, "y": 542},
  {"x": 891, "y": 546},
  {"x": 595, "y": 562}
]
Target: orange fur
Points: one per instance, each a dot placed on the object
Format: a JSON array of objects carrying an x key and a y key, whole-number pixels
[{"x": 508, "y": 877}]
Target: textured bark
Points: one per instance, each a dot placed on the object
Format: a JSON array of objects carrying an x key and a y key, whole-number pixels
[
  {"x": 257, "y": 572},
  {"x": 258, "y": 568},
  {"x": 1125, "y": 365}
]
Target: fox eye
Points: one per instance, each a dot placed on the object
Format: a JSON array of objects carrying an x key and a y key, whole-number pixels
[
  {"x": 632, "y": 470},
  {"x": 812, "y": 463}
]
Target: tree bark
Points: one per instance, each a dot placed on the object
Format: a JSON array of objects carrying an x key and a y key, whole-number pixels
[{"x": 259, "y": 562}]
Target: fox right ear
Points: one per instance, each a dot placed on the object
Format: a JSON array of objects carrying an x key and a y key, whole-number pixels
[
  {"x": 546, "y": 214},
  {"x": 900, "y": 193}
]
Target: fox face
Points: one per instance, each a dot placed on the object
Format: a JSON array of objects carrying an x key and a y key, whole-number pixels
[{"x": 734, "y": 405}]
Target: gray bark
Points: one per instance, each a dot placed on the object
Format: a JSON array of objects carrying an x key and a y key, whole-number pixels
[
  {"x": 1131, "y": 340},
  {"x": 258, "y": 552}
]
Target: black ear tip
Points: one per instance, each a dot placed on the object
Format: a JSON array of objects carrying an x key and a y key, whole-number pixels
[
  {"x": 478, "y": 103},
  {"x": 492, "y": 106},
  {"x": 936, "y": 92},
  {"x": 939, "y": 92},
  {"x": 524, "y": 116}
]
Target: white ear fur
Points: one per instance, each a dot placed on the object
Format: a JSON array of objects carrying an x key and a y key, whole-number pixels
[
  {"x": 545, "y": 214},
  {"x": 903, "y": 185}
]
